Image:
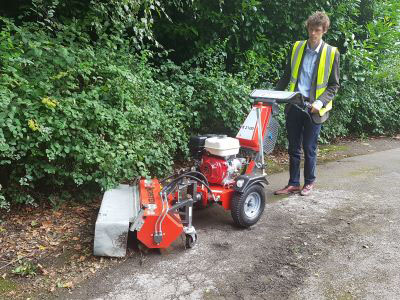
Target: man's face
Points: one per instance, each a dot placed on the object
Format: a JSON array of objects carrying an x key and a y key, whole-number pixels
[{"x": 315, "y": 34}]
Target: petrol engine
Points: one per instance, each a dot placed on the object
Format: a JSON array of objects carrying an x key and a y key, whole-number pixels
[{"x": 217, "y": 158}]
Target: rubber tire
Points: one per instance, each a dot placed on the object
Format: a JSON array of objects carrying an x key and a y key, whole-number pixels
[
  {"x": 237, "y": 206},
  {"x": 189, "y": 242}
]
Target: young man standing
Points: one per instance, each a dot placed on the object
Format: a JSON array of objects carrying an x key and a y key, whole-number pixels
[{"x": 313, "y": 70}]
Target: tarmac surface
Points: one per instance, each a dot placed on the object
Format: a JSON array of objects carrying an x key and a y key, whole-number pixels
[{"x": 342, "y": 242}]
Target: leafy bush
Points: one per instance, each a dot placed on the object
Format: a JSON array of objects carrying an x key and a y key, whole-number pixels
[
  {"x": 218, "y": 99},
  {"x": 25, "y": 268},
  {"x": 368, "y": 101},
  {"x": 81, "y": 117},
  {"x": 372, "y": 107},
  {"x": 74, "y": 116}
]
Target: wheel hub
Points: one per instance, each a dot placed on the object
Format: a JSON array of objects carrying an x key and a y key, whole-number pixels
[{"x": 252, "y": 205}]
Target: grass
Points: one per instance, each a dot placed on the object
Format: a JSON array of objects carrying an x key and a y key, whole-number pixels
[
  {"x": 328, "y": 149},
  {"x": 6, "y": 286},
  {"x": 275, "y": 167}
]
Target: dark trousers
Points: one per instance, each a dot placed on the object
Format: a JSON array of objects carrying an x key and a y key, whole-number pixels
[{"x": 301, "y": 132}]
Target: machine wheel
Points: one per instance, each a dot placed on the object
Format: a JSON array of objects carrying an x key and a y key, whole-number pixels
[
  {"x": 191, "y": 240},
  {"x": 247, "y": 207}
]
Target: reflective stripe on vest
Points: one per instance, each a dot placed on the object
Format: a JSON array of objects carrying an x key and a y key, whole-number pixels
[
  {"x": 324, "y": 70},
  {"x": 297, "y": 54},
  {"x": 323, "y": 76}
]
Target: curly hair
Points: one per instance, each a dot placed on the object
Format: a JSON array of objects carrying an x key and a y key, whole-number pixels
[{"x": 318, "y": 18}]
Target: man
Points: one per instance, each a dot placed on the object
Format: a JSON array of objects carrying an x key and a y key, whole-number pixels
[{"x": 313, "y": 70}]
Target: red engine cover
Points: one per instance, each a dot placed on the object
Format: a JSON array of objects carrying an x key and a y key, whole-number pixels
[{"x": 214, "y": 168}]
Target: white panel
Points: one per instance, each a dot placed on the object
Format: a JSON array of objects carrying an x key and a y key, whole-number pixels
[
  {"x": 118, "y": 207},
  {"x": 247, "y": 130},
  {"x": 272, "y": 94}
]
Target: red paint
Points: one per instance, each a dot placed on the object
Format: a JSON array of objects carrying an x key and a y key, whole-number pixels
[
  {"x": 250, "y": 167},
  {"x": 214, "y": 168},
  {"x": 224, "y": 195},
  {"x": 151, "y": 201}
]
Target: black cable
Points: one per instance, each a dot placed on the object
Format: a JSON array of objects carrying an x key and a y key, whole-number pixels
[
  {"x": 202, "y": 182},
  {"x": 165, "y": 179},
  {"x": 188, "y": 172},
  {"x": 172, "y": 185},
  {"x": 199, "y": 173}
]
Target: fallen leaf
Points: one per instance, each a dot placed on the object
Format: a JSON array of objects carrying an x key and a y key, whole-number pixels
[
  {"x": 43, "y": 270},
  {"x": 4, "y": 276},
  {"x": 57, "y": 214},
  {"x": 68, "y": 285},
  {"x": 75, "y": 238},
  {"x": 46, "y": 224}
]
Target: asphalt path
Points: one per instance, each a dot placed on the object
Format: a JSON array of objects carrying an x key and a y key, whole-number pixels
[{"x": 342, "y": 242}]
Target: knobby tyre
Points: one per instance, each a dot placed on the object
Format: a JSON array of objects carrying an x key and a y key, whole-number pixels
[{"x": 247, "y": 207}]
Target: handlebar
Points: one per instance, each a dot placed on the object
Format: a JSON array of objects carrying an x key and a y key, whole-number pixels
[{"x": 280, "y": 97}]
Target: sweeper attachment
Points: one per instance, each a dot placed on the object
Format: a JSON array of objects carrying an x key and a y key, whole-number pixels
[{"x": 228, "y": 171}]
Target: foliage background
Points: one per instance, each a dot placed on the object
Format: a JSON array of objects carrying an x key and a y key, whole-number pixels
[{"x": 93, "y": 93}]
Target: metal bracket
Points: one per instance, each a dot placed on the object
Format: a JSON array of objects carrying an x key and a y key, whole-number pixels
[
  {"x": 181, "y": 204},
  {"x": 138, "y": 222},
  {"x": 157, "y": 237},
  {"x": 189, "y": 230}
]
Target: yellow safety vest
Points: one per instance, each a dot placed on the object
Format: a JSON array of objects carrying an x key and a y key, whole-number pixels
[{"x": 324, "y": 69}]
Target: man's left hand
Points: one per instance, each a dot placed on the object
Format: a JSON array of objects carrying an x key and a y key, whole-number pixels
[{"x": 316, "y": 106}]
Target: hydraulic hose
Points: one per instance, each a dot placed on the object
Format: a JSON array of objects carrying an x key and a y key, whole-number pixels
[
  {"x": 172, "y": 185},
  {"x": 199, "y": 173},
  {"x": 169, "y": 188},
  {"x": 189, "y": 172}
]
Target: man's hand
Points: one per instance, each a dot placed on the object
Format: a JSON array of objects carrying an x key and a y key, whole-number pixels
[{"x": 316, "y": 106}]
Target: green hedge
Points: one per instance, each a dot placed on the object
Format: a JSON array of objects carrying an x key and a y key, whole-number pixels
[{"x": 78, "y": 118}]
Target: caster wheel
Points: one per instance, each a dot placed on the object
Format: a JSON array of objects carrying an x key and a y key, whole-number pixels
[{"x": 191, "y": 240}]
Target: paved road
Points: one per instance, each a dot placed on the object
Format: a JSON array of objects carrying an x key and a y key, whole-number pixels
[{"x": 343, "y": 242}]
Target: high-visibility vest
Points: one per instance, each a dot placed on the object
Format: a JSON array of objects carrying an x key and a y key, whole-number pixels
[{"x": 324, "y": 69}]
